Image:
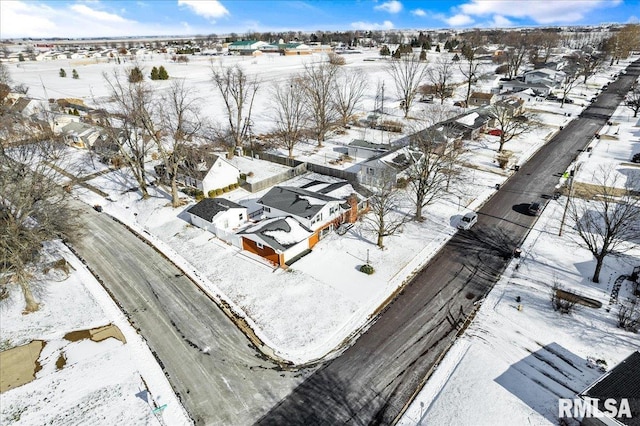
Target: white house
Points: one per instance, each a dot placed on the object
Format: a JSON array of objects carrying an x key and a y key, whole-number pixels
[
  {"x": 220, "y": 217},
  {"x": 82, "y": 135},
  {"x": 545, "y": 76},
  {"x": 214, "y": 173},
  {"x": 385, "y": 169}
]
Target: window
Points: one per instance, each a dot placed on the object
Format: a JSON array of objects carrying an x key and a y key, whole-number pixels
[
  {"x": 241, "y": 216},
  {"x": 267, "y": 209},
  {"x": 369, "y": 170},
  {"x": 260, "y": 245}
]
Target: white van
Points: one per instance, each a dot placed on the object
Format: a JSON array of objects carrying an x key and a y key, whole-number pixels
[{"x": 468, "y": 220}]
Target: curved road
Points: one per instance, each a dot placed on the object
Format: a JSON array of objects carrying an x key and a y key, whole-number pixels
[
  {"x": 216, "y": 372},
  {"x": 222, "y": 379}
]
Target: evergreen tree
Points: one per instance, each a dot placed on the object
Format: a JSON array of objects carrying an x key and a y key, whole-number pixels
[
  {"x": 75, "y": 112},
  {"x": 162, "y": 73},
  {"x": 384, "y": 50},
  {"x": 438, "y": 48},
  {"x": 423, "y": 55},
  {"x": 135, "y": 75},
  {"x": 20, "y": 57},
  {"x": 154, "y": 73},
  {"x": 447, "y": 45},
  {"x": 455, "y": 58},
  {"x": 62, "y": 72},
  {"x": 74, "y": 74},
  {"x": 426, "y": 45}
]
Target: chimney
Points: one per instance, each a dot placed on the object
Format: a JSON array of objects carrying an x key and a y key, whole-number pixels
[{"x": 353, "y": 213}]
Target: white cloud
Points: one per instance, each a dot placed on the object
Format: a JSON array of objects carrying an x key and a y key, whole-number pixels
[
  {"x": 366, "y": 26},
  {"x": 209, "y": 9},
  {"x": 97, "y": 15},
  {"x": 31, "y": 19},
  {"x": 542, "y": 12},
  {"x": 392, "y": 6},
  {"x": 419, "y": 12},
  {"x": 459, "y": 20},
  {"x": 500, "y": 21}
]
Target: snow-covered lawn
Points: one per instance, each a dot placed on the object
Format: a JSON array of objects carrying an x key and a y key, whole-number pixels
[{"x": 102, "y": 383}]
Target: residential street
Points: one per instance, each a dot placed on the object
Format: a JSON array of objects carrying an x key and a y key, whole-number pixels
[
  {"x": 372, "y": 380},
  {"x": 222, "y": 379},
  {"x": 218, "y": 374}
]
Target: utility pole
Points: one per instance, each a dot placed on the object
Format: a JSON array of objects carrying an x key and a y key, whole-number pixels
[{"x": 572, "y": 177}]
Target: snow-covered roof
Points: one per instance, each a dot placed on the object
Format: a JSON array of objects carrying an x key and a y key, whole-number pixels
[
  {"x": 295, "y": 201},
  {"x": 208, "y": 208},
  {"x": 279, "y": 233}
]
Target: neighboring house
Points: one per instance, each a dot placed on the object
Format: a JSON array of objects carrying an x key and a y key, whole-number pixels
[
  {"x": 517, "y": 86},
  {"x": 220, "y": 217},
  {"x": 385, "y": 169},
  {"x": 245, "y": 47},
  {"x": 515, "y": 105},
  {"x": 545, "y": 76},
  {"x": 478, "y": 99},
  {"x": 211, "y": 172},
  {"x": 82, "y": 135},
  {"x": 468, "y": 125},
  {"x": 26, "y": 106},
  {"x": 280, "y": 240},
  {"x": 622, "y": 381},
  {"x": 362, "y": 149}
]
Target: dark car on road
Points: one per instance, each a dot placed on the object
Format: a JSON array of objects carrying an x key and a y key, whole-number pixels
[
  {"x": 535, "y": 208},
  {"x": 636, "y": 158}
]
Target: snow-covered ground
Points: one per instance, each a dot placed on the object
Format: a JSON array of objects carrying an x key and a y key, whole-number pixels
[
  {"x": 101, "y": 383},
  {"x": 514, "y": 364},
  {"x": 305, "y": 312}
]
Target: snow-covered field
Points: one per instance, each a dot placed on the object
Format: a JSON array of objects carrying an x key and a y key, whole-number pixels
[
  {"x": 101, "y": 383},
  {"x": 515, "y": 364}
]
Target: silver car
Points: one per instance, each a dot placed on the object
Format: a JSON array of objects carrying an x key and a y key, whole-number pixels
[{"x": 468, "y": 220}]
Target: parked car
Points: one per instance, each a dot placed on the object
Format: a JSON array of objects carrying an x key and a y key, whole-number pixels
[
  {"x": 467, "y": 221},
  {"x": 495, "y": 132},
  {"x": 535, "y": 208},
  {"x": 636, "y": 158},
  {"x": 568, "y": 100},
  {"x": 98, "y": 208}
]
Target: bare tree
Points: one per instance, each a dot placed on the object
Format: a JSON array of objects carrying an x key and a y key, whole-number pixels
[
  {"x": 319, "y": 86},
  {"x": 516, "y": 53},
  {"x": 33, "y": 209},
  {"x": 589, "y": 64},
  {"x": 385, "y": 217},
  {"x": 510, "y": 121},
  {"x": 469, "y": 67},
  {"x": 128, "y": 124},
  {"x": 349, "y": 91},
  {"x": 571, "y": 79},
  {"x": 609, "y": 224},
  {"x": 407, "y": 73},
  {"x": 290, "y": 113},
  {"x": 179, "y": 117},
  {"x": 439, "y": 75},
  {"x": 238, "y": 92},
  {"x": 632, "y": 101},
  {"x": 432, "y": 166}
]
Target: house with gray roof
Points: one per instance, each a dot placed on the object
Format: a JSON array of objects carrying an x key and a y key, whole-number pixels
[
  {"x": 361, "y": 149},
  {"x": 312, "y": 209},
  {"x": 219, "y": 216},
  {"x": 619, "y": 387},
  {"x": 280, "y": 240}
]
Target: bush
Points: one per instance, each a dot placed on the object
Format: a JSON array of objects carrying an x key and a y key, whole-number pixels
[
  {"x": 335, "y": 59},
  {"x": 219, "y": 191},
  {"x": 230, "y": 187},
  {"x": 199, "y": 194},
  {"x": 225, "y": 189},
  {"x": 401, "y": 183},
  {"x": 135, "y": 75},
  {"x": 367, "y": 269},
  {"x": 212, "y": 193},
  {"x": 243, "y": 176},
  {"x": 504, "y": 158}
]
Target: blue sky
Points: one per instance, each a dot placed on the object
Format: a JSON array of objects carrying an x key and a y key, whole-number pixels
[{"x": 103, "y": 18}]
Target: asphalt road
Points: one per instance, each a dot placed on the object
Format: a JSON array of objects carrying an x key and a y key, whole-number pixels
[
  {"x": 219, "y": 376},
  {"x": 371, "y": 381}
]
